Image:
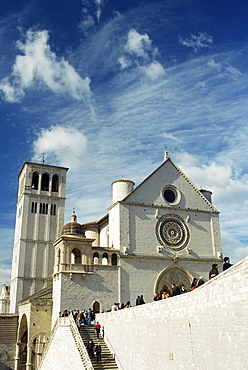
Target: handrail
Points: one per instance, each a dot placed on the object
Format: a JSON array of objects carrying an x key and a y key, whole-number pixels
[{"x": 80, "y": 345}]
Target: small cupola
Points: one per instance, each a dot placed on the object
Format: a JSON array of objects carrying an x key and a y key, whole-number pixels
[{"x": 73, "y": 227}]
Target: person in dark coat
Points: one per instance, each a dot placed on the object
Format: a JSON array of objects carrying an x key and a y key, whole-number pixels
[
  {"x": 227, "y": 263},
  {"x": 214, "y": 272},
  {"x": 174, "y": 290},
  {"x": 98, "y": 351},
  {"x": 90, "y": 348}
]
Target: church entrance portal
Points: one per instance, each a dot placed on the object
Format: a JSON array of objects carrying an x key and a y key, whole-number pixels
[{"x": 173, "y": 275}]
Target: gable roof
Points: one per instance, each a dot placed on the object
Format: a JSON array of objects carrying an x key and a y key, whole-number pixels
[{"x": 168, "y": 159}]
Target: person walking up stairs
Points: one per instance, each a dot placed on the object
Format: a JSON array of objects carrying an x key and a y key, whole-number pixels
[{"x": 107, "y": 361}]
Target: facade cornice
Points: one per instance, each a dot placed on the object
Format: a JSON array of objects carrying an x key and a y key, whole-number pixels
[
  {"x": 74, "y": 238},
  {"x": 42, "y": 165},
  {"x": 174, "y": 259},
  {"x": 214, "y": 210}
]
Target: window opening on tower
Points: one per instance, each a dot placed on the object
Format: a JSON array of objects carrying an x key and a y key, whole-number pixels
[
  {"x": 45, "y": 182},
  {"x": 35, "y": 181},
  {"x": 55, "y": 183}
]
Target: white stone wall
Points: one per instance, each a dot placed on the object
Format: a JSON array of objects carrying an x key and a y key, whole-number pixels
[
  {"x": 63, "y": 353},
  {"x": 114, "y": 227},
  {"x": 80, "y": 291},
  {"x": 138, "y": 229},
  {"x": 203, "y": 329}
]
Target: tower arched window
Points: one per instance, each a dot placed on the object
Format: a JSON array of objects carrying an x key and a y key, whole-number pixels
[
  {"x": 55, "y": 183},
  {"x": 105, "y": 259},
  {"x": 45, "y": 182},
  {"x": 75, "y": 256},
  {"x": 114, "y": 259},
  {"x": 35, "y": 181}
]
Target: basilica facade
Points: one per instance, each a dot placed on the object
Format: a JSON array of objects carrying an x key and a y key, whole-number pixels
[{"x": 164, "y": 231}]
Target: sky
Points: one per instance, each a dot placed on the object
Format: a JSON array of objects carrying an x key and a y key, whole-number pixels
[{"x": 104, "y": 86}]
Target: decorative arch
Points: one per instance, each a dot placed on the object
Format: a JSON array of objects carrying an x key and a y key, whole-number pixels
[
  {"x": 105, "y": 259},
  {"x": 173, "y": 275},
  {"x": 76, "y": 256},
  {"x": 45, "y": 182},
  {"x": 39, "y": 342},
  {"x": 95, "y": 258}
]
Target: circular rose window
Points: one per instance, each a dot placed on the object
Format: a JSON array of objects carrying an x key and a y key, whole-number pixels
[{"x": 172, "y": 232}]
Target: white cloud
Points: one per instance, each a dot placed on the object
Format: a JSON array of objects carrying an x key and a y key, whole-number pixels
[
  {"x": 141, "y": 53},
  {"x": 124, "y": 62},
  {"x": 234, "y": 72},
  {"x": 213, "y": 64},
  {"x": 154, "y": 70},
  {"x": 232, "y": 248},
  {"x": 39, "y": 64},
  {"x": 87, "y": 23},
  {"x": 5, "y": 275},
  {"x": 98, "y": 9},
  {"x": 203, "y": 40},
  {"x": 90, "y": 16},
  {"x": 171, "y": 137},
  {"x": 138, "y": 44},
  {"x": 62, "y": 145}
]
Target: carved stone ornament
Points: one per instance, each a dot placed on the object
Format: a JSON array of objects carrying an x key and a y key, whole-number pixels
[{"x": 172, "y": 232}]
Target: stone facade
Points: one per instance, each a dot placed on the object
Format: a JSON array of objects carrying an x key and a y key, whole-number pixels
[{"x": 164, "y": 231}]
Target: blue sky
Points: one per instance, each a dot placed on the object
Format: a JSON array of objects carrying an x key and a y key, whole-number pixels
[{"x": 103, "y": 86}]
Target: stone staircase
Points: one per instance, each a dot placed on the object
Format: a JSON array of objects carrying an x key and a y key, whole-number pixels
[
  {"x": 8, "y": 337},
  {"x": 108, "y": 362}
]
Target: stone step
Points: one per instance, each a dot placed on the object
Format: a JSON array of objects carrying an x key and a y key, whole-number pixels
[{"x": 107, "y": 361}]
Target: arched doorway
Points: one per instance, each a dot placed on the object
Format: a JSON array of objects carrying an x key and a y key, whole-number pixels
[
  {"x": 173, "y": 275},
  {"x": 23, "y": 342},
  {"x": 38, "y": 346},
  {"x": 96, "y": 307}
]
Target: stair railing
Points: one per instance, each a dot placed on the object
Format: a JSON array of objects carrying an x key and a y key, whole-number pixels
[{"x": 80, "y": 345}]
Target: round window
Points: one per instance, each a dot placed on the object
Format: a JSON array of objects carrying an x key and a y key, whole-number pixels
[{"x": 170, "y": 194}]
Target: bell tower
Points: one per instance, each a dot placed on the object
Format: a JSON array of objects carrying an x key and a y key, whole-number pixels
[{"x": 39, "y": 221}]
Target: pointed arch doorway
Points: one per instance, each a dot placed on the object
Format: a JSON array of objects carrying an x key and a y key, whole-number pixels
[{"x": 173, "y": 275}]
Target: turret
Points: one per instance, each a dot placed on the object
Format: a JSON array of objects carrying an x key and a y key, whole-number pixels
[{"x": 121, "y": 188}]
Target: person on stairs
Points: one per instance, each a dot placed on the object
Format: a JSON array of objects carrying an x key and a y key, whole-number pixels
[
  {"x": 98, "y": 352},
  {"x": 97, "y": 329},
  {"x": 90, "y": 348}
]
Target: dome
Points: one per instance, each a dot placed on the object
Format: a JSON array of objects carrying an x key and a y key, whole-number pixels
[{"x": 73, "y": 227}]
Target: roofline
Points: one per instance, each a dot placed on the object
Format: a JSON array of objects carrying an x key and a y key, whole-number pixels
[
  {"x": 97, "y": 222},
  {"x": 42, "y": 164},
  {"x": 182, "y": 173}
]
